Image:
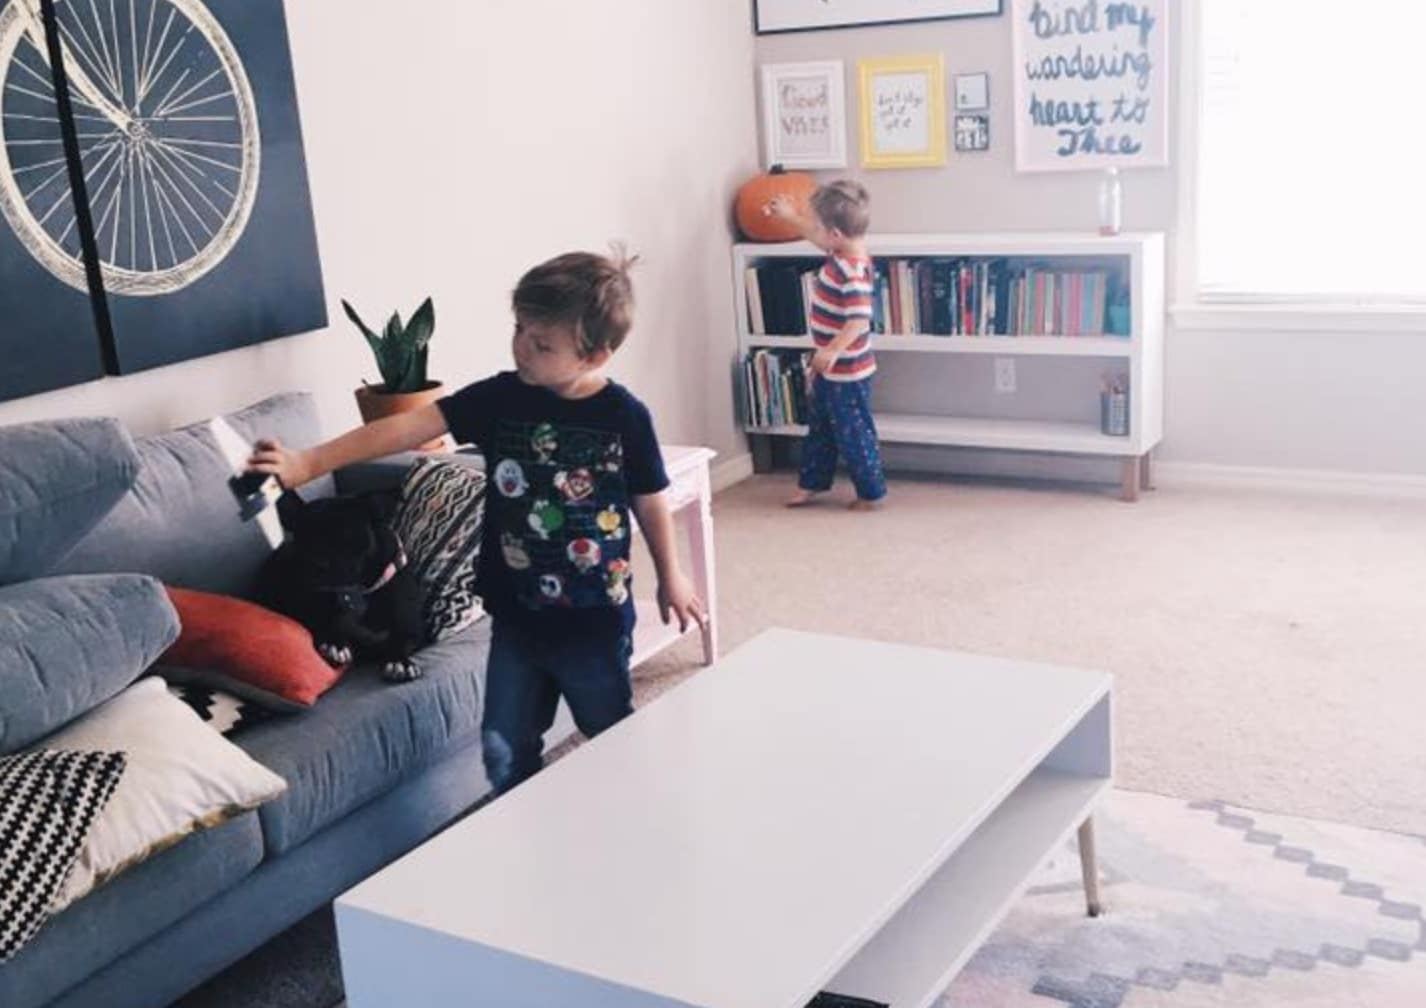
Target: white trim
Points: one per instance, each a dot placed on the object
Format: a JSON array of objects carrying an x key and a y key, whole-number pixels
[
  {"x": 1297, "y": 317},
  {"x": 732, "y": 470},
  {"x": 1183, "y": 284},
  {"x": 1309, "y": 481}
]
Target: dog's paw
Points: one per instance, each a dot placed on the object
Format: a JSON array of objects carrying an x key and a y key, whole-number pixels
[
  {"x": 401, "y": 671},
  {"x": 335, "y": 655}
]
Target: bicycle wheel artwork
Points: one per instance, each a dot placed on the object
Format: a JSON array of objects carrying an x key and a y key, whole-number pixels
[{"x": 198, "y": 233}]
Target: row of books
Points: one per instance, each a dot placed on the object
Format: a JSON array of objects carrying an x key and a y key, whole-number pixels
[
  {"x": 775, "y": 387},
  {"x": 952, "y": 297}
]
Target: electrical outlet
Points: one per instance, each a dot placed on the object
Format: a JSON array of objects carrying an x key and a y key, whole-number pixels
[{"x": 1005, "y": 374}]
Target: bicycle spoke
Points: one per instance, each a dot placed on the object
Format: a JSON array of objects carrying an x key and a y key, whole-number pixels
[
  {"x": 197, "y": 217},
  {"x": 162, "y": 211},
  {"x": 164, "y": 100},
  {"x": 98, "y": 194},
  {"x": 144, "y": 59},
  {"x": 37, "y": 167},
  {"x": 114, "y": 57},
  {"x": 177, "y": 47},
  {"x": 202, "y": 101},
  {"x": 164, "y": 104},
  {"x": 148, "y": 212},
  {"x": 97, "y": 58},
  {"x": 177, "y": 167},
  {"x": 177, "y": 217},
  {"x": 187, "y": 159},
  {"x": 133, "y": 214},
  {"x": 191, "y": 156},
  {"x": 152, "y": 78},
  {"x": 48, "y": 179},
  {"x": 174, "y": 119},
  {"x": 134, "y": 51}
]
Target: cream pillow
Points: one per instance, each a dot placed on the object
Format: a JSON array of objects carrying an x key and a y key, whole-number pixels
[{"x": 181, "y": 776}]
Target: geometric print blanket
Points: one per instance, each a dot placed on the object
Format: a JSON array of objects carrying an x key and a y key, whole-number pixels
[{"x": 49, "y": 799}]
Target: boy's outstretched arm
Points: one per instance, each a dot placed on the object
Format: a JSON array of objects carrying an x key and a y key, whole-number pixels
[
  {"x": 785, "y": 209},
  {"x": 676, "y": 594},
  {"x": 295, "y": 466}
]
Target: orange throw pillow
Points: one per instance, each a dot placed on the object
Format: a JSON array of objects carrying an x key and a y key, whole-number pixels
[{"x": 250, "y": 651}]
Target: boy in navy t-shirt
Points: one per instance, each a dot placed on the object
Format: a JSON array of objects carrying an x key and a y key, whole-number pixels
[{"x": 569, "y": 455}]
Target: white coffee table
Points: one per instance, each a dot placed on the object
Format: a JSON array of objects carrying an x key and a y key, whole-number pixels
[{"x": 811, "y": 813}]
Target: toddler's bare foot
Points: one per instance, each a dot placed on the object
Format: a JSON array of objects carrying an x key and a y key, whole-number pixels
[
  {"x": 861, "y": 504},
  {"x": 801, "y": 499}
]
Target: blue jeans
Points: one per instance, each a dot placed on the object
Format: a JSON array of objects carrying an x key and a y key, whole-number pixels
[
  {"x": 529, "y": 670},
  {"x": 839, "y": 420}
]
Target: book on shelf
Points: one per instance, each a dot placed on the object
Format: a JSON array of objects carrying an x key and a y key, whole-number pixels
[
  {"x": 775, "y": 387},
  {"x": 953, "y": 296}
]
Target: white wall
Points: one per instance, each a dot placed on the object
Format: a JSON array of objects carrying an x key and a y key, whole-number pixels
[
  {"x": 450, "y": 146},
  {"x": 1340, "y": 401}
]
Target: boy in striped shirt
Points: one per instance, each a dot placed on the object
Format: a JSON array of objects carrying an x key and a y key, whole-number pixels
[{"x": 840, "y": 418}]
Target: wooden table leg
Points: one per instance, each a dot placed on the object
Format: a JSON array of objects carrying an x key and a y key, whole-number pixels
[
  {"x": 698, "y": 519},
  {"x": 1089, "y": 868},
  {"x": 1129, "y": 484},
  {"x": 1146, "y": 472}
]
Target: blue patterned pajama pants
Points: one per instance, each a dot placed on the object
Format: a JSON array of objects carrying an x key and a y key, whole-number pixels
[{"x": 840, "y": 421}]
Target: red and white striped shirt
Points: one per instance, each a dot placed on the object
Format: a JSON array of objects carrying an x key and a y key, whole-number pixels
[{"x": 844, "y": 291}]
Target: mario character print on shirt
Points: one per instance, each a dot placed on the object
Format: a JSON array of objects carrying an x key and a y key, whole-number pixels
[{"x": 562, "y": 511}]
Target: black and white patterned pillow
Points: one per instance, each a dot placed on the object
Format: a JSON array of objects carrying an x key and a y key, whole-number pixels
[
  {"x": 49, "y": 799},
  {"x": 439, "y": 519},
  {"x": 225, "y": 713}
]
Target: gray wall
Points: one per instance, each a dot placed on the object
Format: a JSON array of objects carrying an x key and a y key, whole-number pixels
[{"x": 1339, "y": 401}]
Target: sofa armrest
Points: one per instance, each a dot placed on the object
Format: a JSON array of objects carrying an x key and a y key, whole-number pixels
[{"x": 386, "y": 473}]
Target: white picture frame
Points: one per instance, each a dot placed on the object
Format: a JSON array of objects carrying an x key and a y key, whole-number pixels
[
  {"x": 804, "y": 114},
  {"x": 773, "y": 16},
  {"x": 972, "y": 92}
]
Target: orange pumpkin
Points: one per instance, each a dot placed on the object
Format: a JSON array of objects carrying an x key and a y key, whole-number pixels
[{"x": 759, "y": 190}]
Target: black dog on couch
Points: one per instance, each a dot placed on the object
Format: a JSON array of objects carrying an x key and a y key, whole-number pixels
[{"x": 342, "y": 574}]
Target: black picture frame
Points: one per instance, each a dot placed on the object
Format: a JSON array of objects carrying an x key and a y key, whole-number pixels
[{"x": 758, "y": 29}]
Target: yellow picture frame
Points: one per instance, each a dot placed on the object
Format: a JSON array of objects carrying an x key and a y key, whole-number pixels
[{"x": 903, "y": 111}]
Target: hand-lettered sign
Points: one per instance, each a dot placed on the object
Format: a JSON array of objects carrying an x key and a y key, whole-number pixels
[{"x": 1091, "y": 84}]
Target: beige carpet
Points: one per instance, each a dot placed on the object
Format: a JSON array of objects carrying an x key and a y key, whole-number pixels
[{"x": 1269, "y": 650}]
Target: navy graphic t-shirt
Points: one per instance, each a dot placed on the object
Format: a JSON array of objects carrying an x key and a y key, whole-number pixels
[{"x": 561, "y": 475}]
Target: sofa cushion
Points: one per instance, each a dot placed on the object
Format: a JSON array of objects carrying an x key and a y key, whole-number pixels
[
  {"x": 133, "y": 908},
  {"x": 180, "y": 522},
  {"x": 57, "y": 479},
  {"x": 247, "y": 650},
  {"x": 366, "y": 735},
  {"x": 181, "y": 777},
  {"x": 439, "y": 519},
  {"x": 48, "y": 801},
  {"x": 68, "y": 644}
]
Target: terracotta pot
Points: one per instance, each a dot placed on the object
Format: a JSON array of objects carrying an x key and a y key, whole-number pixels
[
  {"x": 759, "y": 190},
  {"x": 374, "y": 403}
]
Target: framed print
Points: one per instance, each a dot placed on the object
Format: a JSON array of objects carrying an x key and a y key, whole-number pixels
[
  {"x": 973, "y": 132},
  {"x": 154, "y": 204},
  {"x": 972, "y": 92},
  {"x": 903, "y": 113},
  {"x": 804, "y": 115},
  {"x": 1091, "y": 85},
  {"x": 771, "y": 16}
]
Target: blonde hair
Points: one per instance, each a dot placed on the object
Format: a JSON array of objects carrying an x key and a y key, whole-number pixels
[
  {"x": 844, "y": 205},
  {"x": 588, "y": 292}
]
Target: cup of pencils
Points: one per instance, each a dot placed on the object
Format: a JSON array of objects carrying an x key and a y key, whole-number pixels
[{"x": 1114, "y": 405}]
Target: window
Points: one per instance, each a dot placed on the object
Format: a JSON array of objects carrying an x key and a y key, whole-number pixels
[{"x": 1311, "y": 179}]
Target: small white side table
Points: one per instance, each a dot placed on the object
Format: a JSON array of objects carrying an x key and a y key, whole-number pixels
[{"x": 690, "y": 498}]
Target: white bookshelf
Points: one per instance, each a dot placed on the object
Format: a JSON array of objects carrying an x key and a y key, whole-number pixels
[{"x": 1140, "y": 353}]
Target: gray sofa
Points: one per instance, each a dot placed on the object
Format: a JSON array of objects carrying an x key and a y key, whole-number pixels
[{"x": 372, "y": 770}]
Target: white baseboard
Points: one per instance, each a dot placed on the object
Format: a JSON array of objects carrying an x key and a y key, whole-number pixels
[
  {"x": 731, "y": 470},
  {"x": 1319, "y": 481}
]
